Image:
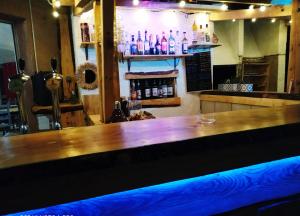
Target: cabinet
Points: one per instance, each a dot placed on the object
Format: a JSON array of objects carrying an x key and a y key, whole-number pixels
[{"x": 256, "y": 71}]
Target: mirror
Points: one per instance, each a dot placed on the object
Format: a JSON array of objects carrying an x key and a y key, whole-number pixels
[{"x": 87, "y": 76}]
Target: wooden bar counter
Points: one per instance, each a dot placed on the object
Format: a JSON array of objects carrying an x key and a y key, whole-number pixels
[{"x": 43, "y": 169}]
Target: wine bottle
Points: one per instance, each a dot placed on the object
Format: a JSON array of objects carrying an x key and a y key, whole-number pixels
[
  {"x": 159, "y": 89},
  {"x": 157, "y": 46},
  {"x": 133, "y": 46},
  {"x": 147, "y": 90},
  {"x": 133, "y": 93},
  {"x": 164, "y": 44},
  {"x": 178, "y": 43},
  {"x": 146, "y": 45},
  {"x": 140, "y": 45},
  {"x": 152, "y": 45},
  {"x": 184, "y": 44},
  {"x": 195, "y": 32},
  {"x": 154, "y": 90},
  {"x": 207, "y": 35},
  {"x": 138, "y": 91},
  {"x": 164, "y": 88},
  {"x": 201, "y": 35},
  {"x": 172, "y": 43},
  {"x": 117, "y": 114}
]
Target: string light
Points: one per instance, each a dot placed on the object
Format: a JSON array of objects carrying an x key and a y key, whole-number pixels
[
  {"x": 55, "y": 14},
  {"x": 57, "y": 4},
  {"x": 182, "y": 3},
  {"x": 273, "y": 20},
  {"x": 262, "y": 8},
  {"x": 251, "y": 7},
  {"x": 224, "y": 7},
  {"x": 233, "y": 20},
  {"x": 253, "y": 20},
  {"x": 135, "y": 2},
  {"x": 290, "y": 21}
]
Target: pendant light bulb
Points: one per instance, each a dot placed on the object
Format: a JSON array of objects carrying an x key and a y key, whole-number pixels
[
  {"x": 253, "y": 20},
  {"x": 251, "y": 7},
  {"x": 262, "y": 8},
  {"x": 55, "y": 14},
  {"x": 57, "y": 4},
  {"x": 233, "y": 20},
  {"x": 273, "y": 20},
  {"x": 135, "y": 2},
  {"x": 182, "y": 3}
]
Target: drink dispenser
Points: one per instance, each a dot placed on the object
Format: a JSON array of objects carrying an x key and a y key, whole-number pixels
[
  {"x": 53, "y": 81},
  {"x": 16, "y": 84}
]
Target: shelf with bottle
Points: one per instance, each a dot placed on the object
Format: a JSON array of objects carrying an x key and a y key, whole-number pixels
[{"x": 154, "y": 92}]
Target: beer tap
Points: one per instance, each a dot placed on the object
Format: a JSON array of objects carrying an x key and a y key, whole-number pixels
[
  {"x": 16, "y": 84},
  {"x": 53, "y": 81}
]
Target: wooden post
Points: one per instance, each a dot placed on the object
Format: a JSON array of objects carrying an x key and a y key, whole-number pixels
[
  {"x": 109, "y": 72},
  {"x": 294, "y": 60},
  {"x": 67, "y": 65}
]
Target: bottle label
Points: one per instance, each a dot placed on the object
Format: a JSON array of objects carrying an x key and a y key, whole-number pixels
[
  {"x": 140, "y": 47},
  {"x": 172, "y": 46},
  {"x": 170, "y": 91},
  {"x": 164, "y": 46},
  {"x": 154, "y": 92},
  {"x": 133, "y": 95},
  {"x": 165, "y": 91},
  {"x": 147, "y": 47},
  {"x": 147, "y": 93},
  {"x": 185, "y": 47},
  {"x": 139, "y": 94}
]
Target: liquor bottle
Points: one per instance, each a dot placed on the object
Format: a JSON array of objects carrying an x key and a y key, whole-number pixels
[
  {"x": 201, "y": 35},
  {"x": 138, "y": 91},
  {"x": 195, "y": 33},
  {"x": 170, "y": 89},
  {"x": 117, "y": 114},
  {"x": 159, "y": 89},
  {"x": 157, "y": 46},
  {"x": 133, "y": 46},
  {"x": 178, "y": 44},
  {"x": 154, "y": 90},
  {"x": 164, "y": 44},
  {"x": 140, "y": 45},
  {"x": 207, "y": 34},
  {"x": 124, "y": 106},
  {"x": 86, "y": 34},
  {"x": 184, "y": 44},
  {"x": 127, "y": 45},
  {"x": 146, "y": 45},
  {"x": 133, "y": 94},
  {"x": 152, "y": 45},
  {"x": 147, "y": 90},
  {"x": 164, "y": 88},
  {"x": 172, "y": 44}
]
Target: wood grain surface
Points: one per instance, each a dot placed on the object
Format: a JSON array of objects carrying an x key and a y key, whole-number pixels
[{"x": 55, "y": 145}]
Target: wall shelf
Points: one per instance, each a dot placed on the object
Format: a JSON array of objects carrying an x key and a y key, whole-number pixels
[
  {"x": 196, "y": 48},
  {"x": 151, "y": 75},
  {"x": 160, "y": 102},
  {"x": 131, "y": 58}
]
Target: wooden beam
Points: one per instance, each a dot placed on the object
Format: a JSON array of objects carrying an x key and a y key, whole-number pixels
[
  {"x": 271, "y": 12},
  {"x": 97, "y": 17},
  {"x": 67, "y": 64},
  {"x": 294, "y": 60},
  {"x": 110, "y": 84},
  {"x": 81, "y": 3}
]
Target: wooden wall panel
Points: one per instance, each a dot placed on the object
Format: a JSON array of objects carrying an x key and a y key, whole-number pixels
[
  {"x": 222, "y": 107},
  {"x": 207, "y": 107}
]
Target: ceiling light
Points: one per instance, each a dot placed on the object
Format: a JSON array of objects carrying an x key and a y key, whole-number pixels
[
  {"x": 290, "y": 21},
  {"x": 262, "y": 8},
  {"x": 182, "y": 3},
  {"x": 224, "y": 7},
  {"x": 273, "y": 20},
  {"x": 253, "y": 20},
  {"x": 135, "y": 2},
  {"x": 233, "y": 20},
  {"x": 251, "y": 7},
  {"x": 55, "y": 14},
  {"x": 57, "y": 4}
]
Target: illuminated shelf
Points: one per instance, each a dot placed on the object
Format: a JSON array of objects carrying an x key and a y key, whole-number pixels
[
  {"x": 160, "y": 102},
  {"x": 151, "y": 75}
]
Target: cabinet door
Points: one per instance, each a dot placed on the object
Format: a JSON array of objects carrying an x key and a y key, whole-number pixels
[{"x": 198, "y": 72}]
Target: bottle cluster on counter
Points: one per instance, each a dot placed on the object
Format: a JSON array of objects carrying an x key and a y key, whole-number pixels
[
  {"x": 154, "y": 45},
  {"x": 202, "y": 35},
  {"x": 151, "y": 89}
]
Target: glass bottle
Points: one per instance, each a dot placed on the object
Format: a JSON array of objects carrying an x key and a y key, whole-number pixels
[
  {"x": 154, "y": 90},
  {"x": 170, "y": 89},
  {"x": 140, "y": 45},
  {"x": 164, "y": 88},
  {"x": 172, "y": 44},
  {"x": 164, "y": 44},
  {"x": 207, "y": 35},
  {"x": 157, "y": 46},
  {"x": 178, "y": 45},
  {"x": 201, "y": 35},
  {"x": 117, "y": 114},
  {"x": 138, "y": 91},
  {"x": 146, "y": 45},
  {"x": 147, "y": 90},
  {"x": 133, "y": 94},
  {"x": 184, "y": 44},
  {"x": 195, "y": 32},
  {"x": 159, "y": 89},
  {"x": 133, "y": 46},
  {"x": 152, "y": 45}
]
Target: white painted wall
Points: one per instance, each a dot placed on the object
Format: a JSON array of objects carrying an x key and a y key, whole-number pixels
[{"x": 130, "y": 22}]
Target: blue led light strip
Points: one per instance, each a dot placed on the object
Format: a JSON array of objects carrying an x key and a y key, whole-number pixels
[{"x": 204, "y": 195}]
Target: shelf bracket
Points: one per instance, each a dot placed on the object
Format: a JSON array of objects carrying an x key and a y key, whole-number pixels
[
  {"x": 128, "y": 64},
  {"x": 175, "y": 63}
]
